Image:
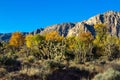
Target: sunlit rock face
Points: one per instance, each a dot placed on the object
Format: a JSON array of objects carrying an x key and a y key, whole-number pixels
[
  {"x": 61, "y": 28},
  {"x": 111, "y": 19}
]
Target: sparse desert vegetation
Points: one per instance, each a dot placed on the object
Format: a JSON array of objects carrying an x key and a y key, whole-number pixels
[{"x": 54, "y": 57}]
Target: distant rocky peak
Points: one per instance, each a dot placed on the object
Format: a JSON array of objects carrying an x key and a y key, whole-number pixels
[{"x": 112, "y": 13}]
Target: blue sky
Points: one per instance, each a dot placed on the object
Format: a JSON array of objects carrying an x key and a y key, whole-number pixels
[{"x": 28, "y": 15}]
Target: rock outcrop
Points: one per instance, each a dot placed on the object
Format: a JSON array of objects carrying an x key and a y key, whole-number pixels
[
  {"x": 110, "y": 18},
  {"x": 61, "y": 28}
]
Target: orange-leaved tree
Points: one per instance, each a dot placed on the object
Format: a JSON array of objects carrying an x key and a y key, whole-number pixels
[
  {"x": 86, "y": 37},
  {"x": 17, "y": 39}
]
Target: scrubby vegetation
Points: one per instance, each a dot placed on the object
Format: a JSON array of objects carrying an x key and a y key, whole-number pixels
[{"x": 54, "y": 57}]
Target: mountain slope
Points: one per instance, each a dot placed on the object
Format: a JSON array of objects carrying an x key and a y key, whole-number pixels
[
  {"x": 110, "y": 18},
  {"x": 61, "y": 28}
]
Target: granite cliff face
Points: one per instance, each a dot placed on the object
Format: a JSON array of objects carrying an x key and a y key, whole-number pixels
[
  {"x": 110, "y": 18},
  {"x": 63, "y": 29}
]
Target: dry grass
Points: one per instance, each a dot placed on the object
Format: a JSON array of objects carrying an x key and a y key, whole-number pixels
[{"x": 30, "y": 71}]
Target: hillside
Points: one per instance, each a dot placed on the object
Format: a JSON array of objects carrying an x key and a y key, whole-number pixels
[{"x": 89, "y": 52}]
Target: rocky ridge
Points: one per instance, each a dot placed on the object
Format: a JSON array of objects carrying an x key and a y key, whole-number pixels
[{"x": 110, "y": 18}]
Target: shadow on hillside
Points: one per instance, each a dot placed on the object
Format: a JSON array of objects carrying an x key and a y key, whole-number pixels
[
  {"x": 12, "y": 66},
  {"x": 71, "y": 74},
  {"x": 25, "y": 77}
]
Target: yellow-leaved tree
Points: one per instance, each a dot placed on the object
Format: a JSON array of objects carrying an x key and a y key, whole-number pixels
[
  {"x": 70, "y": 42},
  {"x": 17, "y": 39},
  {"x": 37, "y": 39},
  {"x": 118, "y": 42},
  {"x": 29, "y": 40},
  {"x": 100, "y": 38},
  {"x": 53, "y": 36},
  {"x": 101, "y": 34},
  {"x": 33, "y": 40},
  {"x": 84, "y": 46}
]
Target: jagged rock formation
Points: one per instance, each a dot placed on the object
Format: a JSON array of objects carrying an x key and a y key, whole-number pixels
[
  {"x": 61, "y": 28},
  {"x": 81, "y": 27},
  {"x": 110, "y": 18},
  {"x": 36, "y": 31}
]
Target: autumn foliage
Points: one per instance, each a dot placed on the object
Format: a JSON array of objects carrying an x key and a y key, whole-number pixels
[
  {"x": 53, "y": 36},
  {"x": 32, "y": 40},
  {"x": 29, "y": 40},
  {"x": 37, "y": 55},
  {"x": 17, "y": 39},
  {"x": 86, "y": 37}
]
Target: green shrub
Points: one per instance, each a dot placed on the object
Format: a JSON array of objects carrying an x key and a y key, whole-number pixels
[
  {"x": 110, "y": 74},
  {"x": 8, "y": 59},
  {"x": 31, "y": 59},
  {"x": 53, "y": 64},
  {"x": 3, "y": 72}
]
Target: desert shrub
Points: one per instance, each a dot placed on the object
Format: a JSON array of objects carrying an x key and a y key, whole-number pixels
[
  {"x": 114, "y": 65},
  {"x": 10, "y": 62},
  {"x": 69, "y": 55},
  {"x": 3, "y": 72},
  {"x": 36, "y": 52},
  {"x": 30, "y": 71},
  {"x": 5, "y": 60},
  {"x": 20, "y": 76},
  {"x": 110, "y": 74},
  {"x": 31, "y": 59},
  {"x": 41, "y": 69},
  {"x": 53, "y": 64}
]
